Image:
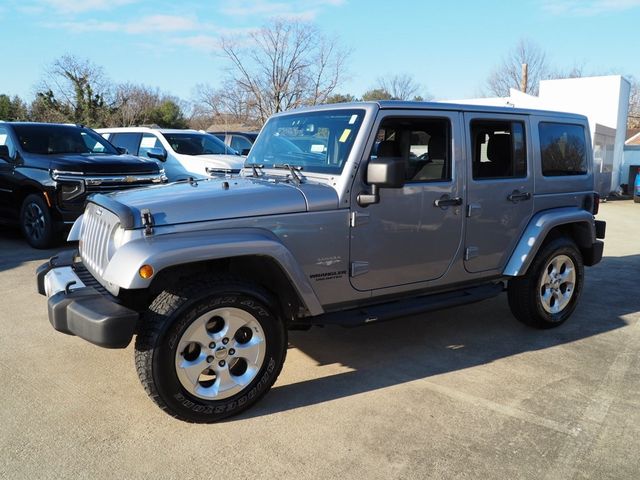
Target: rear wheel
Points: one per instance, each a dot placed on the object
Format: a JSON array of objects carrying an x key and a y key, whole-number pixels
[
  {"x": 548, "y": 293},
  {"x": 36, "y": 223},
  {"x": 210, "y": 350}
]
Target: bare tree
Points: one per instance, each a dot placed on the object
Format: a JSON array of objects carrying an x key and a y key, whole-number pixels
[
  {"x": 633, "y": 120},
  {"x": 76, "y": 90},
  {"x": 285, "y": 65},
  {"x": 134, "y": 104},
  {"x": 399, "y": 87},
  {"x": 229, "y": 104},
  {"x": 509, "y": 73}
]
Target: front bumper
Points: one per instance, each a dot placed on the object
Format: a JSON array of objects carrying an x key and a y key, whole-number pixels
[{"x": 85, "y": 311}]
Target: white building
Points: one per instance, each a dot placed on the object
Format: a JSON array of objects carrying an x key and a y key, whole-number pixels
[{"x": 603, "y": 100}]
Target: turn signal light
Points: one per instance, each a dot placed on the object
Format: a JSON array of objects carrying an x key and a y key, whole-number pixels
[{"x": 146, "y": 271}]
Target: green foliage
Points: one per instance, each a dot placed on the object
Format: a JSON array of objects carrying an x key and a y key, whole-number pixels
[
  {"x": 341, "y": 98},
  {"x": 168, "y": 115},
  {"x": 376, "y": 94},
  {"x": 12, "y": 109}
]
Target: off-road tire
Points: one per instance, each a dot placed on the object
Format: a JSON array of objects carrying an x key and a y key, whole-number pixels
[
  {"x": 169, "y": 317},
  {"x": 36, "y": 223},
  {"x": 525, "y": 293}
]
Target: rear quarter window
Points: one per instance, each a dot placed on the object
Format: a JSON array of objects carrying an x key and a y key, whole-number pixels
[{"x": 563, "y": 149}]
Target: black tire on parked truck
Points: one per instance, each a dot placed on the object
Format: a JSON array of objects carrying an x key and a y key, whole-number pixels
[
  {"x": 210, "y": 349},
  {"x": 548, "y": 293},
  {"x": 36, "y": 222}
]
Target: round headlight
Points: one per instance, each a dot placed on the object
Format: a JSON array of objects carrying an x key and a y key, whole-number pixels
[{"x": 115, "y": 240}]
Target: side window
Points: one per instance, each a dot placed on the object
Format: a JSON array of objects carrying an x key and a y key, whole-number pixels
[
  {"x": 149, "y": 141},
  {"x": 130, "y": 141},
  {"x": 423, "y": 143},
  {"x": 240, "y": 143},
  {"x": 5, "y": 139},
  {"x": 498, "y": 149},
  {"x": 563, "y": 149}
]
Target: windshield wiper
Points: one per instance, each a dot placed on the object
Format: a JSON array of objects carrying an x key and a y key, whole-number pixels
[
  {"x": 254, "y": 167},
  {"x": 295, "y": 171}
]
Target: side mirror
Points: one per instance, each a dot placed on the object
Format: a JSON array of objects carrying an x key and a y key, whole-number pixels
[
  {"x": 122, "y": 150},
  {"x": 157, "y": 153},
  {"x": 4, "y": 153},
  {"x": 382, "y": 172},
  {"x": 245, "y": 151}
]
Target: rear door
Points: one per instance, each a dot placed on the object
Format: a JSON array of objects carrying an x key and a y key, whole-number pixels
[{"x": 499, "y": 187}]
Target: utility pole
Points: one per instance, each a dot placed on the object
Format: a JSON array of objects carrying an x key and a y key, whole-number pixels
[{"x": 525, "y": 78}]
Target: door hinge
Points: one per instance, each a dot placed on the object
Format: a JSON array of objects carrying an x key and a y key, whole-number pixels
[
  {"x": 473, "y": 209},
  {"x": 359, "y": 218},
  {"x": 359, "y": 268},
  {"x": 470, "y": 252}
]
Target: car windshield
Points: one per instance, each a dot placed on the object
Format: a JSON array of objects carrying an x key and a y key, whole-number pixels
[
  {"x": 316, "y": 141},
  {"x": 59, "y": 139},
  {"x": 194, "y": 143}
]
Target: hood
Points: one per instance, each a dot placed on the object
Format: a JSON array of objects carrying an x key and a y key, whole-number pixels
[
  {"x": 101, "y": 164},
  {"x": 217, "y": 199}
]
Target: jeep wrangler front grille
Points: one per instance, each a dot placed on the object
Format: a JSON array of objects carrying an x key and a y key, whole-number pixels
[{"x": 97, "y": 225}]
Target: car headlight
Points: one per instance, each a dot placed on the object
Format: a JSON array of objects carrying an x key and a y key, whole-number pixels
[
  {"x": 70, "y": 185},
  {"x": 116, "y": 240},
  {"x": 70, "y": 190}
]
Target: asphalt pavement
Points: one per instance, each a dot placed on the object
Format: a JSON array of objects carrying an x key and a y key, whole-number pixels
[{"x": 463, "y": 393}]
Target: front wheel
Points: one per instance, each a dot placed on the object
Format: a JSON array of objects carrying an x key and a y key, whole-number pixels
[
  {"x": 548, "y": 293},
  {"x": 210, "y": 350},
  {"x": 36, "y": 223}
]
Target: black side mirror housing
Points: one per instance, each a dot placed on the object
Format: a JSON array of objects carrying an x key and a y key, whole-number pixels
[
  {"x": 4, "y": 152},
  {"x": 122, "y": 150},
  {"x": 382, "y": 172},
  {"x": 157, "y": 153},
  {"x": 245, "y": 151}
]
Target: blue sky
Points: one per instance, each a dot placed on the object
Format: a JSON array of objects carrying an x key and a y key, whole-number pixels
[{"x": 448, "y": 47}]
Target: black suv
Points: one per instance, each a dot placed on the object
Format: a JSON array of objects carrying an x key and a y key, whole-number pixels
[{"x": 47, "y": 171}]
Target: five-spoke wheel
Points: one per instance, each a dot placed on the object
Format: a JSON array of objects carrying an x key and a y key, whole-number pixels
[
  {"x": 210, "y": 349},
  {"x": 547, "y": 294}
]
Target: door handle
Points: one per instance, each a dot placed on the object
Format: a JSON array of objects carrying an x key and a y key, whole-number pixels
[
  {"x": 517, "y": 196},
  {"x": 445, "y": 201}
]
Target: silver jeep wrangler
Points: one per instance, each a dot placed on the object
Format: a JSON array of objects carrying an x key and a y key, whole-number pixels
[{"x": 343, "y": 214}]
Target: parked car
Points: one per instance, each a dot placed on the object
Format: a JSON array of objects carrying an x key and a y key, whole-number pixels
[
  {"x": 385, "y": 209},
  {"x": 239, "y": 141},
  {"x": 182, "y": 153},
  {"x": 636, "y": 188},
  {"x": 48, "y": 170}
]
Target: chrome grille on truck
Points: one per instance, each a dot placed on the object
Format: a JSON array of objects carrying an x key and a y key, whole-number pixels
[{"x": 97, "y": 225}]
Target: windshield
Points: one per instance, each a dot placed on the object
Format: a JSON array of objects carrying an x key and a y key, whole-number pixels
[
  {"x": 59, "y": 139},
  {"x": 315, "y": 141},
  {"x": 194, "y": 143}
]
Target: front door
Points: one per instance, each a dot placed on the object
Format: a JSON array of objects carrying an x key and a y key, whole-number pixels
[
  {"x": 499, "y": 188},
  {"x": 407, "y": 238}
]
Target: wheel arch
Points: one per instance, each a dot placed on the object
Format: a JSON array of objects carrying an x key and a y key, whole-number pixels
[
  {"x": 253, "y": 254},
  {"x": 278, "y": 290},
  {"x": 571, "y": 222}
]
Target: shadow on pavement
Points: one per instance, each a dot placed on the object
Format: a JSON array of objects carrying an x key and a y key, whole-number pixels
[
  {"x": 403, "y": 350},
  {"x": 15, "y": 251}
]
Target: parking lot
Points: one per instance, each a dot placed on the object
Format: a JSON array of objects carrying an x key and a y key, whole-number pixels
[{"x": 463, "y": 393}]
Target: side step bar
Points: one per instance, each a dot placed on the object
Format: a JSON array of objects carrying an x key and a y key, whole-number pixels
[{"x": 403, "y": 308}]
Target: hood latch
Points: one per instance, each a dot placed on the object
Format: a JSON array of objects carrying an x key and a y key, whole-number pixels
[{"x": 147, "y": 221}]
